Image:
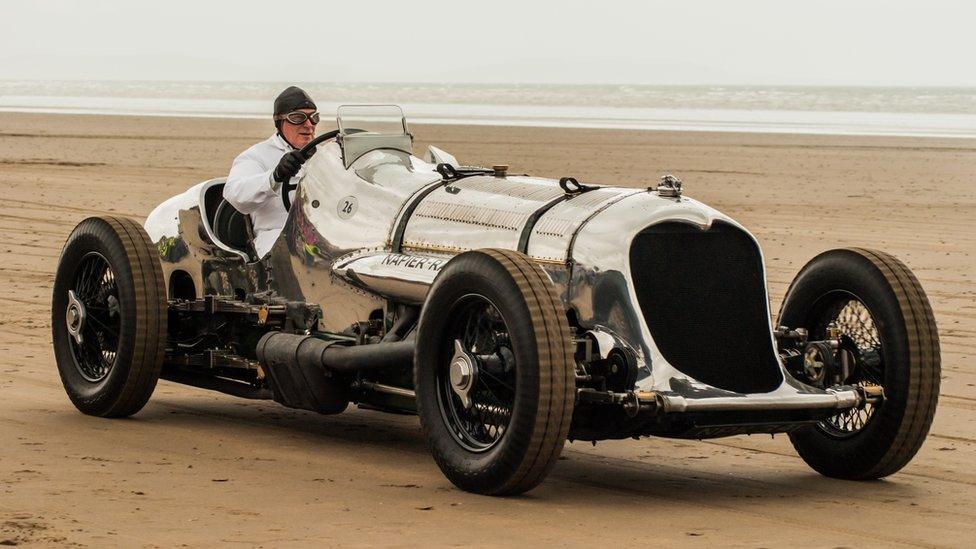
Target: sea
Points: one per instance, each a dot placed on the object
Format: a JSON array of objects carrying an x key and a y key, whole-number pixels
[{"x": 922, "y": 112}]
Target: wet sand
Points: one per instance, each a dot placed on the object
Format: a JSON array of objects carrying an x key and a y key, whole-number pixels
[{"x": 199, "y": 468}]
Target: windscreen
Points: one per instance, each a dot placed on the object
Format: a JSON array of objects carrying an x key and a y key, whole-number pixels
[{"x": 377, "y": 119}]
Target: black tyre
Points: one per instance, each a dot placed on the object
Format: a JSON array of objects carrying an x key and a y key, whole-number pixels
[
  {"x": 108, "y": 317},
  {"x": 494, "y": 372},
  {"x": 882, "y": 312}
]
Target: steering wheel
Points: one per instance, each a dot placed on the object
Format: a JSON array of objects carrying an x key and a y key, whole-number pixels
[{"x": 307, "y": 150}]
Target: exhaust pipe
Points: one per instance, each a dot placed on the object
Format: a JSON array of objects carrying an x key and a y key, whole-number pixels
[
  {"x": 277, "y": 349},
  {"x": 302, "y": 369}
]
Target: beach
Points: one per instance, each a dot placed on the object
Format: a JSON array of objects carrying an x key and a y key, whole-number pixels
[{"x": 196, "y": 468}]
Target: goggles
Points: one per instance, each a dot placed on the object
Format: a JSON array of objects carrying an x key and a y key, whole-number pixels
[{"x": 298, "y": 117}]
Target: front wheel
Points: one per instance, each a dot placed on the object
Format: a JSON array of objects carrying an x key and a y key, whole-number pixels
[
  {"x": 108, "y": 317},
  {"x": 884, "y": 318},
  {"x": 494, "y": 372}
]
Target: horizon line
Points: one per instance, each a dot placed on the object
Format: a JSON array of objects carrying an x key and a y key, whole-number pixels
[{"x": 551, "y": 84}]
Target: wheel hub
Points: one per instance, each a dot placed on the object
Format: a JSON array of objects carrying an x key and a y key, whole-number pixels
[
  {"x": 75, "y": 317},
  {"x": 813, "y": 365},
  {"x": 463, "y": 371},
  {"x": 819, "y": 362}
]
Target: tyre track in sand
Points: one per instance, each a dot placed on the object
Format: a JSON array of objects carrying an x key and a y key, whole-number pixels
[{"x": 34, "y": 205}]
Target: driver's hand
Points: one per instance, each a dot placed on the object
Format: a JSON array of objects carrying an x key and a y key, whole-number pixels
[{"x": 289, "y": 165}]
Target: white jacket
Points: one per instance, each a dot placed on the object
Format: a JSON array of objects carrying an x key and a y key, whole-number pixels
[{"x": 248, "y": 189}]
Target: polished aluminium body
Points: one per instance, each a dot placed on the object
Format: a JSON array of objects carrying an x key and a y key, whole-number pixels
[{"x": 372, "y": 225}]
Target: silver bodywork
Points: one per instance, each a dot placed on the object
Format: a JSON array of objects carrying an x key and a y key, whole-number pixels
[{"x": 353, "y": 245}]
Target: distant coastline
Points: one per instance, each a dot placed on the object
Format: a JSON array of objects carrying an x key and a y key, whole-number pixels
[{"x": 920, "y": 112}]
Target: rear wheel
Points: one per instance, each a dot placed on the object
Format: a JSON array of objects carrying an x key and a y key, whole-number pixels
[
  {"x": 494, "y": 372},
  {"x": 886, "y": 324},
  {"x": 108, "y": 317}
]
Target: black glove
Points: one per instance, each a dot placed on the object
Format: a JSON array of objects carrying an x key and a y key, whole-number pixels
[{"x": 288, "y": 166}]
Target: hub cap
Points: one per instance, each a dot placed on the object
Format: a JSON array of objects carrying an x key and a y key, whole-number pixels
[
  {"x": 75, "y": 317},
  {"x": 463, "y": 371}
]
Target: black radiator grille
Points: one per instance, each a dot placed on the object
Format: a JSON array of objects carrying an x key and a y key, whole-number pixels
[{"x": 704, "y": 301}]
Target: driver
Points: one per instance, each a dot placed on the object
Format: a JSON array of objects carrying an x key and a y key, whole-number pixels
[{"x": 254, "y": 183}]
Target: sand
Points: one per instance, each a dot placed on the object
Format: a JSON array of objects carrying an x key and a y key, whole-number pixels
[{"x": 199, "y": 468}]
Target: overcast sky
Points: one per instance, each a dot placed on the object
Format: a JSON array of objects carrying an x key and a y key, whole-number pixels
[{"x": 852, "y": 42}]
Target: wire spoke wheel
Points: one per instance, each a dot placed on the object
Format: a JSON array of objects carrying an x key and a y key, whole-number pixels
[
  {"x": 853, "y": 321},
  {"x": 108, "y": 316},
  {"x": 494, "y": 372},
  {"x": 479, "y": 421},
  {"x": 94, "y": 315},
  {"x": 873, "y": 304}
]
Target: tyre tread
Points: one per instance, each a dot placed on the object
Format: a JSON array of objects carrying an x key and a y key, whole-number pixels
[
  {"x": 151, "y": 315},
  {"x": 924, "y": 380},
  {"x": 551, "y": 429}
]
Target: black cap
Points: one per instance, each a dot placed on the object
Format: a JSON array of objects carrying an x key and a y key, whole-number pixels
[{"x": 292, "y": 99}]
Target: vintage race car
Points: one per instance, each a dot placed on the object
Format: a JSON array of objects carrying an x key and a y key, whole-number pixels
[{"x": 511, "y": 313}]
